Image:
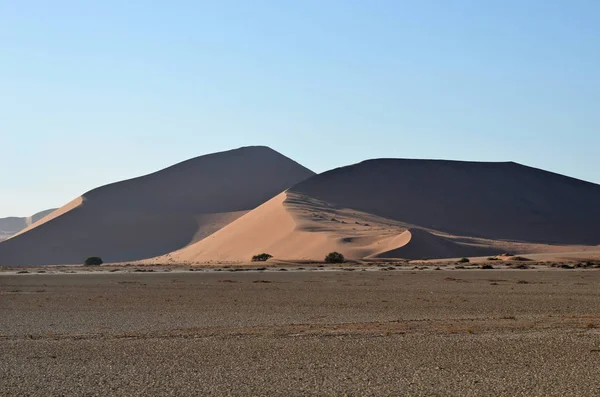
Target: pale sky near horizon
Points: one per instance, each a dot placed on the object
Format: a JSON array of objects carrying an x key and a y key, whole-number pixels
[{"x": 96, "y": 92}]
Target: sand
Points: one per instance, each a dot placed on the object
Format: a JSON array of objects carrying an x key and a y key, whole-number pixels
[
  {"x": 157, "y": 213},
  {"x": 414, "y": 209},
  {"x": 230, "y": 206},
  {"x": 390, "y": 332},
  {"x": 292, "y": 227}
]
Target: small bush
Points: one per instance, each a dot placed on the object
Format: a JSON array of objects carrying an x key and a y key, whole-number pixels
[
  {"x": 517, "y": 266},
  {"x": 463, "y": 260},
  {"x": 261, "y": 257},
  {"x": 93, "y": 261},
  {"x": 334, "y": 257},
  {"x": 565, "y": 266}
]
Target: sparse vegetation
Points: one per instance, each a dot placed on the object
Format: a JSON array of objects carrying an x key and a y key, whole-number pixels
[
  {"x": 463, "y": 260},
  {"x": 517, "y": 266},
  {"x": 93, "y": 261},
  {"x": 261, "y": 257},
  {"x": 493, "y": 258},
  {"x": 487, "y": 267},
  {"x": 588, "y": 264},
  {"x": 566, "y": 266},
  {"x": 518, "y": 258},
  {"x": 334, "y": 257}
]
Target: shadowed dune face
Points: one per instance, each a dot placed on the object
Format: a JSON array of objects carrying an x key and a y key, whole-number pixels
[
  {"x": 157, "y": 213},
  {"x": 504, "y": 201},
  {"x": 421, "y": 244},
  {"x": 236, "y": 180}
]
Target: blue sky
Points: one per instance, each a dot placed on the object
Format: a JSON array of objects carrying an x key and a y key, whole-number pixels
[{"x": 95, "y": 92}]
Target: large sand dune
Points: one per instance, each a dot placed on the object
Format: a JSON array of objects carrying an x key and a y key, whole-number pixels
[
  {"x": 490, "y": 200},
  {"x": 157, "y": 213},
  {"x": 413, "y": 209}
]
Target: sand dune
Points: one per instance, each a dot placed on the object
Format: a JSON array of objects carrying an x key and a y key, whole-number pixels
[
  {"x": 293, "y": 227},
  {"x": 505, "y": 201},
  {"x": 413, "y": 209},
  {"x": 157, "y": 213},
  {"x": 288, "y": 229},
  {"x": 421, "y": 244}
]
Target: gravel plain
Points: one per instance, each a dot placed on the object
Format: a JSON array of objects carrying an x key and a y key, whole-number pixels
[{"x": 355, "y": 333}]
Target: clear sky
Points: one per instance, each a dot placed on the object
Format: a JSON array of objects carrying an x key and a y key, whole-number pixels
[{"x": 92, "y": 92}]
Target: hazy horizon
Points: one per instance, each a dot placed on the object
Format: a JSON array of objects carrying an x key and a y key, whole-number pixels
[{"x": 97, "y": 93}]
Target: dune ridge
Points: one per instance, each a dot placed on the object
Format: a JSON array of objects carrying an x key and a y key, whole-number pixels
[
  {"x": 157, "y": 213},
  {"x": 281, "y": 228}
]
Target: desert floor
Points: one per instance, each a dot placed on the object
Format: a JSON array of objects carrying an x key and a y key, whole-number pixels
[{"x": 382, "y": 332}]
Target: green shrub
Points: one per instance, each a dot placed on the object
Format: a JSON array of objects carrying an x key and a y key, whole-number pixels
[
  {"x": 93, "y": 261},
  {"x": 463, "y": 260},
  {"x": 261, "y": 257},
  {"x": 334, "y": 257}
]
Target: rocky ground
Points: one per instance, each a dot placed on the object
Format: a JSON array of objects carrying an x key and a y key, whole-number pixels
[{"x": 313, "y": 332}]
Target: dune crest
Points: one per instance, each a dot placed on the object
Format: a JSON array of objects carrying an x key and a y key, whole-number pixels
[{"x": 293, "y": 227}]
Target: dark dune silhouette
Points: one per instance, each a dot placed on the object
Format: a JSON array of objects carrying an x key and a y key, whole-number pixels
[
  {"x": 505, "y": 201},
  {"x": 157, "y": 213}
]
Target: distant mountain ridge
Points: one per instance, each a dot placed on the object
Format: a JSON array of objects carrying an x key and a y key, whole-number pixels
[{"x": 12, "y": 225}]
